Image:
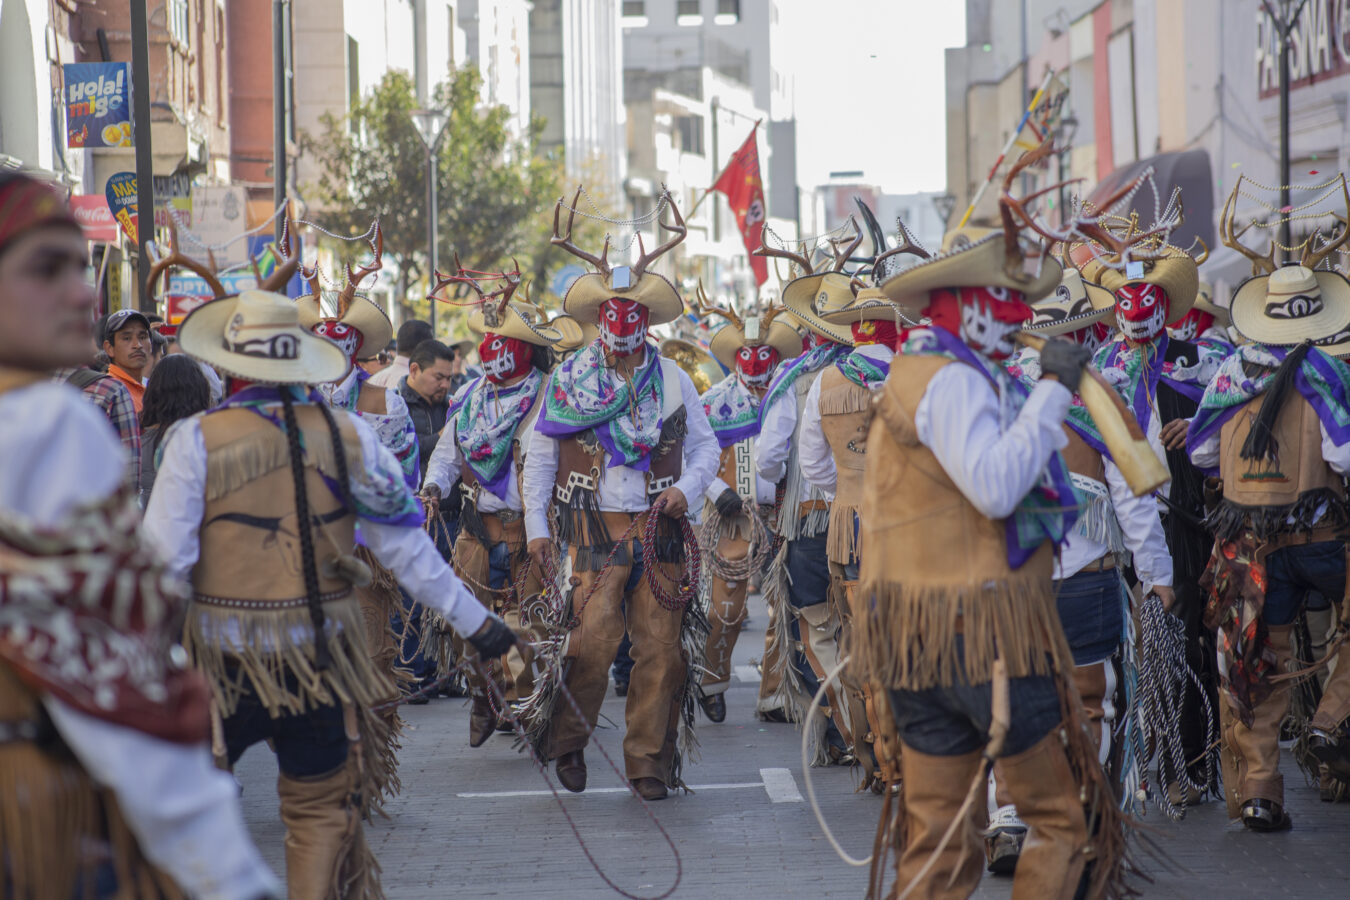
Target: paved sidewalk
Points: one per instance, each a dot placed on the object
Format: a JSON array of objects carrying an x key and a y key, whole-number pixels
[{"x": 480, "y": 822}]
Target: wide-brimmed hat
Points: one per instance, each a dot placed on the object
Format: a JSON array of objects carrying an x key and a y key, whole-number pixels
[
  {"x": 257, "y": 336},
  {"x": 730, "y": 338},
  {"x": 974, "y": 257},
  {"x": 1176, "y": 273},
  {"x": 869, "y": 305},
  {"x": 574, "y": 334},
  {"x": 361, "y": 315},
  {"x": 519, "y": 320},
  {"x": 1204, "y": 301},
  {"x": 585, "y": 295},
  {"x": 811, "y": 297},
  {"x": 1291, "y": 305},
  {"x": 1074, "y": 305}
]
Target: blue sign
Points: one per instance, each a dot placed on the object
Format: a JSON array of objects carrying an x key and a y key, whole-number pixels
[
  {"x": 98, "y": 104},
  {"x": 563, "y": 278},
  {"x": 123, "y": 201}
]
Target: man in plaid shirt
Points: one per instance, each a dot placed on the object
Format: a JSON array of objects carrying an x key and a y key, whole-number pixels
[{"x": 111, "y": 396}]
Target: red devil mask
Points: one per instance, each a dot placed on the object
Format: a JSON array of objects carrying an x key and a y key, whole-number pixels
[
  {"x": 623, "y": 326},
  {"x": 755, "y": 365},
  {"x": 1091, "y": 337},
  {"x": 876, "y": 332},
  {"x": 342, "y": 334},
  {"x": 1141, "y": 311},
  {"x": 504, "y": 358},
  {"x": 984, "y": 317},
  {"x": 1192, "y": 325}
]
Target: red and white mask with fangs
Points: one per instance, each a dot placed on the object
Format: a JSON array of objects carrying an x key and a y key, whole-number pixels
[
  {"x": 503, "y": 357},
  {"x": 1141, "y": 312},
  {"x": 989, "y": 318},
  {"x": 1192, "y": 325},
  {"x": 755, "y": 365},
  {"x": 342, "y": 334},
  {"x": 623, "y": 326}
]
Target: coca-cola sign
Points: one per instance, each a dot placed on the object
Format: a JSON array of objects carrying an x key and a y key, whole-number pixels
[
  {"x": 95, "y": 218},
  {"x": 1319, "y": 46}
]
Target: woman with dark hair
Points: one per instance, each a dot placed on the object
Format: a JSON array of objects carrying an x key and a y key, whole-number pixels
[{"x": 177, "y": 389}]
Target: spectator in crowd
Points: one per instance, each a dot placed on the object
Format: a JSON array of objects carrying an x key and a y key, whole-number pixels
[
  {"x": 159, "y": 348},
  {"x": 410, "y": 334},
  {"x": 178, "y": 388},
  {"x": 426, "y": 389},
  {"x": 376, "y": 364},
  {"x": 111, "y": 396},
  {"x": 126, "y": 340}
]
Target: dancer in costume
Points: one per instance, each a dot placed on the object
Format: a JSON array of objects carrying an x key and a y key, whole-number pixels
[
  {"x": 622, "y": 438},
  {"x": 1274, "y": 425},
  {"x": 104, "y": 760},
  {"x": 802, "y": 643},
  {"x": 1206, "y": 324},
  {"x": 482, "y": 445},
  {"x": 752, "y": 349},
  {"x": 1115, "y": 530},
  {"x": 966, "y": 499},
  {"x": 1161, "y": 379},
  {"x": 258, "y": 501}
]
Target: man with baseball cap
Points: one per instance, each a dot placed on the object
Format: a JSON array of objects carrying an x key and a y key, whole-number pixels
[{"x": 127, "y": 341}]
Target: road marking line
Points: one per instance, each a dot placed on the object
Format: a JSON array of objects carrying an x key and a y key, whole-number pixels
[
  {"x": 747, "y": 674},
  {"x": 780, "y": 785},
  {"x": 476, "y": 795}
]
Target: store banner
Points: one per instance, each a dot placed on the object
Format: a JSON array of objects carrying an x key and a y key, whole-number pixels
[
  {"x": 94, "y": 216},
  {"x": 98, "y": 104},
  {"x": 121, "y": 194}
]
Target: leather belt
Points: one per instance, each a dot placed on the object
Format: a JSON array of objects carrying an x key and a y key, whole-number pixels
[
  {"x": 1104, "y": 564},
  {"x": 263, "y": 605},
  {"x": 810, "y": 506}
]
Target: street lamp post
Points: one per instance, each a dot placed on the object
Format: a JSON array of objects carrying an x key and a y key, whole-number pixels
[{"x": 430, "y": 125}]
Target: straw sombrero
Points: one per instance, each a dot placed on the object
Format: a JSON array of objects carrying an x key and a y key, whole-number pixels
[
  {"x": 1075, "y": 304},
  {"x": 811, "y": 297},
  {"x": 1175, "y": 273},
  {"x": 1204, "y": 301},
  {"x": 574, "y": 334},
  {"x": 975, "y": 257},
  {"x": 869, "y": 305},
  {"x": 361, "y": 315},
  {"x": 257, "y": 336},
  {"x": 1291, "y": 305},
  {"x": 519, "y": 320},
  {"x": 729, "y": 339}
]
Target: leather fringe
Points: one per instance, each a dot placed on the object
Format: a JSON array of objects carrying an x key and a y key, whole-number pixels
[
  {"x": 842, "y": 546},
  {"x": 905, "y": 637},
  {"x": 1268, "y": 522},
  {"x": 243, "y": 461},
  {"x": 791, "y": 695}
]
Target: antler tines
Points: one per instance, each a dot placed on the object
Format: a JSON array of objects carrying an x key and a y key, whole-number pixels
[
  {"x": 564, "y": 241},
  {"x": 678, "y": 230}
]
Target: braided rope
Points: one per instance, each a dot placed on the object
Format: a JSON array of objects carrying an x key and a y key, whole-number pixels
[
  {"x": 761, "y": 539},
  {"x": 1164, "y": 678},
  {"x": 693, "y": 565}
]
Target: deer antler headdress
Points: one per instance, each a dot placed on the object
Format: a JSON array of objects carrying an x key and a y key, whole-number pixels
[
  {"x": 751, "y": 331},
  {"x": 353, "y": 310},
  {"x": 497, "y": 311},
  {"x": 634, "y": 282}
]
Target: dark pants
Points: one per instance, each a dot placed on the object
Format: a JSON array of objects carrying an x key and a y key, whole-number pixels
[
  {"x": 312, "y": 743},
  {"x": 954, "y": 721},
  {"x": 1092, "y": 613},
  {"x": 622, "y": 670},
  {"x": 1295, "y": 572},
  {"x": 808, "y": 569}
]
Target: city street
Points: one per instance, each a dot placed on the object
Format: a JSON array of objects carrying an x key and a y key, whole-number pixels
[{"x": 481, "y": 823}]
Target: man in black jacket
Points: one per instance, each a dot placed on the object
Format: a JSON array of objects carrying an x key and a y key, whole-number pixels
[{"x": 426, "y": 389}]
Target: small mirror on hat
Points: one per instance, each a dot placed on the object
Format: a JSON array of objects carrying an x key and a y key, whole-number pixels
[
  {"x": 491, "y": 315},
  {"x": 752, "y": 331},
  {"x": 621, "y": 279}
]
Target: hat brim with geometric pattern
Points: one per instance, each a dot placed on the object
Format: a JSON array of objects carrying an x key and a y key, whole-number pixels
[
  {"x": 257, "y": 336},
  {"x": 1075, "y": 304}
]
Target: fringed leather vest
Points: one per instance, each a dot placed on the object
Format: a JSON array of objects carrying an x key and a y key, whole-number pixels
[
  {"x": 1096, "y": 513},
  {"x": 1264, "y": 495},
  {"x": 845, "y": 412},
  {"x": 935, "y": 567}
]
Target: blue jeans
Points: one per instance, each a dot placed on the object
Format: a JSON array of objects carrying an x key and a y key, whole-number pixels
[
  {"x": 309, "y": 744},
  {"x": 1092, "y": 613},
  {"x": 953, "y": 721},
  {"x": 808, "y": 568},
  {"x": 1292, "y": 573}
]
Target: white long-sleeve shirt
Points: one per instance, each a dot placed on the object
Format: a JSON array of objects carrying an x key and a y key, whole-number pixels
[
  {"x": 814, "y": 454},
  {"x": 1141, "y": 527},
  {"x": 622, "y": 488},
  {"x": 174, "y": 516},
  {"x": 447, "y": 462},
  {"x": 61, "y": 454},
  {"x": 774, "y": 445},
  {"x": 992, "y": 465}
]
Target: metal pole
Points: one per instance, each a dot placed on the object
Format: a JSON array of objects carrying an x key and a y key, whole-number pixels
[
  {"x": 1284, "y": 134},
  {"x": 431, "y": 226},
  {"x": 145, "y": 170},
  {"x": 717, "y": 207},
  {"x": 279, "y": 109}
]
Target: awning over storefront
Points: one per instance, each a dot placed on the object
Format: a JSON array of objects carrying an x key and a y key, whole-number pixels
[{"x": 1188, "y": 170}]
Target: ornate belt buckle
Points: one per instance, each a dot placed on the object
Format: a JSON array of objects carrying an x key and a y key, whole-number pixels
[
  {"x": 657, "y": 485},
  {"x": 508, "y": 515}
]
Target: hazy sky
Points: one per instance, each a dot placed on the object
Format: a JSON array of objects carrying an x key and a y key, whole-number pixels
[{"x": 869, "y": 87}]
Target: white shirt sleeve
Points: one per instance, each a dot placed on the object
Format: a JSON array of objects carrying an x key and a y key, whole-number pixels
[
  {"x": 775, "y": 437},
  {"x": 173, "y": 517},
  {"x": 1337, "y": 457},
  {"x": 1142, "y": 528},
  {"x": 1205, "y": 455},
  {"x": 958, "y": 419},
  {"x": 536, "y": 479},
  {"x": 715, "y": 489},
  {"x": 446, "y": 460},
  {"x": 813, "y": 452},
  {"x": 701, "y": 453},
  {"x": 183, "y": 811}
]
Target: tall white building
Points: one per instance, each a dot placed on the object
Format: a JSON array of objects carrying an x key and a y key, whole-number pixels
[
  {"x": 497, "y": 41},
  {"x": 576, "y": 86},
  {"x": 32, "y": 123}
]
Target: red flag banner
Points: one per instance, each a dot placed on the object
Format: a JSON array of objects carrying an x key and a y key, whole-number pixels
[{"x": 741, "y": 183}]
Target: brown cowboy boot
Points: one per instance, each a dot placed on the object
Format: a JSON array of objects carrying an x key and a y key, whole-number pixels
[
  {"x": 1045, "y": 791},
  {"x": 1256, "y": 749},
  {"x": 326, "y": 853},
  {"x": 1330, "y": 738},
  {"x": 934, "y": 788},
  {"x": 482, "y": 720}
]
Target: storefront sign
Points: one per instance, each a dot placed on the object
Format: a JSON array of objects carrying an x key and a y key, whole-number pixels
[
  {"x": 98, "y": 104},
  {"x": 94, "y": 216},
  {"x": 1319, "y": 46},
  {"x": 122, "y": 200}
]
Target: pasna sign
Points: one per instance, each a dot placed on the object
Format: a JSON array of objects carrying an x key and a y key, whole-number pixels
[{"x": 98, "y": 104}]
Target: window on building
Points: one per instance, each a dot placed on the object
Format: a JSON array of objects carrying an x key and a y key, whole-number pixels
[
  {"x": 690, "y": 132},
  {"x": 176, "y": 14},
  {"x": 634, "y": 8},
  {"x": 687, "y": 12},
  {"x": 728, "y": 12}
]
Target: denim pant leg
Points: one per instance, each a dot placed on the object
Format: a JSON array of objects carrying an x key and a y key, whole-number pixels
[
  {"x": 307, "y": 744},
  {"x": 1092, "y": 613},
  {"x": 1293, "y": 572}
]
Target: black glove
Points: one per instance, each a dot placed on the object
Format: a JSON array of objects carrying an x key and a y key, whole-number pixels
[
  {"x": 453, "y": 502},
  {"x": 493, "y": 639},
  {"x": 1066, "y": 361},
  {"x": 728, "y": 504}
]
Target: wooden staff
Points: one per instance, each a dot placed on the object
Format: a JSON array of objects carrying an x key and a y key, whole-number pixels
[{"x": 1130, "y": 450}]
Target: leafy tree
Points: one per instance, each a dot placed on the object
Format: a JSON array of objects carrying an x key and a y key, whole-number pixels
[{"x": 495, "y": 192}]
